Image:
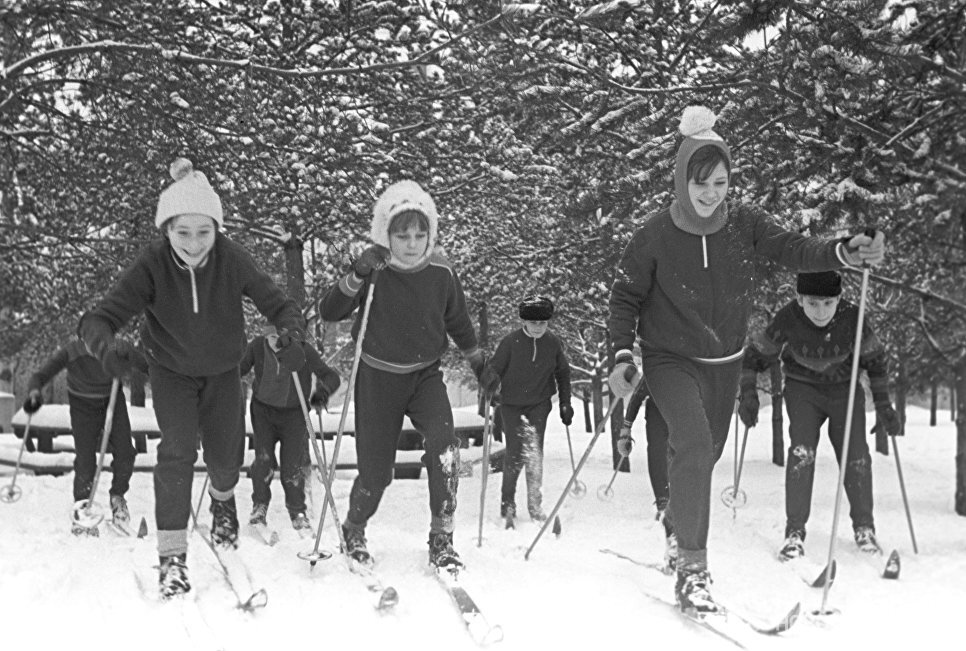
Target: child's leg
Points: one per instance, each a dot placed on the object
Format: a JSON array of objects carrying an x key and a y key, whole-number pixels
[
  {"x": 533, "y": 455},
  {"x": 221, "y": 409},
  {"x": 263, "y": 428},
  {"x": 123, "y": 452},
  {"x": 431, "y": 414},
  {"x": 657, "y": 451},
  {"x": 86, "y": 422},
  {"x": 513, "y": 456},
  {"x": 806, "y": 407},
  {"x": 858, "y": 471},
  {"x": 380, "y": 399},
  {"x": 294, "y": 456}
]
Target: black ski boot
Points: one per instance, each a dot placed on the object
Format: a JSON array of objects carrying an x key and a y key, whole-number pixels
[
  {"x": 441, "y": 552},
  {"x": 692, "y": 593},
  {"x": 355, "y": 545},
  {"x": 865, "y": 539},
  {"x": 794, "y": 545},
  {"x": 119, "y": 511},
  {"x": 224, "y": 523},
  {"x": 173, "y": 576}
]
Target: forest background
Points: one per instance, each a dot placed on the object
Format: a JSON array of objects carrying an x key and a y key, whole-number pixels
[{"x": 546, "y": 132}]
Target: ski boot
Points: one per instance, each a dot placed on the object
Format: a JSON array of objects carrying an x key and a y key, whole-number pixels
[
  {"x": 441, "y": 552},
  {"x": 661, "y": 506},
  {"x": 259, "y": 514},
  {"x": 119, "y": 511},
  {"x": 794, "y": 545},
  {"x": 300, "y": 521},
  {"x": 173, "y": 576},
  {"x": 865, "y": 539},
  {"x": 355, "y": 545},
  {"x": 692, "y": 593},
  {"x": 508, "y": 511},
  {"x": 79, "y": 530},
  {"x": 224, "y": 523},
  {"x": 537, "y": 515},
  {"x": 670, "y": 553}
]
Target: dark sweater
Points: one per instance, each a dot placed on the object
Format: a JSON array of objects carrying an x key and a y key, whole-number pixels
[
  {"x": 681, "y": 301},
  {"x": 531, "y": 370},
  {"x": 273, "y": 386},
  {"x": 85, "y": 375},
  {"x": 199, "y": 343},
  {"x": 817, "y": 355},
  {"x": 411, "y": 314}
]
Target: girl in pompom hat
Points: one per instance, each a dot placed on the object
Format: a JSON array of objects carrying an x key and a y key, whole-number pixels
[
  {"x": 189, "y": 283},
  {"x": 530, "y": 365},
  {"x": 683, "y": 287},
  {"x": 417, "y": 303}
]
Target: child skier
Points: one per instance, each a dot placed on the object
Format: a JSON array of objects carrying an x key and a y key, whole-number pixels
[
  {"x": 814, "y": 336},
  {"x": 277, "y": 418},
  {"x": 189, "y": 284},
  {"x": 88, "y": 394},
  {"x": 418, "y": 301},
  {"x": 684, "y": 285},
  {"x": 530, "y": 365}
]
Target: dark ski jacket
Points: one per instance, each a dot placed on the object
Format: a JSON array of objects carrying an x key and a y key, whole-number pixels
[
  {"x": 273, "y": 384},
  {"x": 531, "y": 370}
]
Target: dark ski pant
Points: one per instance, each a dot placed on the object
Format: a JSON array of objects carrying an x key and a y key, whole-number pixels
[
  {"x": 524, "y": 428},
  {"x": 809, "y": 406},
  {"x": 382, "y": 399},
  {"x": 657, "y": 451},
  {"x": 187, "y": 409},
  {"x": 271, "y": 426},
  {"x": 697, "y": 401},
  {"x": 87, "y": 419}
]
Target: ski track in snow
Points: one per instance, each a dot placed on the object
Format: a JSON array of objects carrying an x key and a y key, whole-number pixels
[{"x": 57, "y": 590}]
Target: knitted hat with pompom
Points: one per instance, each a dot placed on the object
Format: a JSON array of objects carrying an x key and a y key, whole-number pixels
[
  {"x": 189, "y": 194},
  {"x": 697, "y": 123}
]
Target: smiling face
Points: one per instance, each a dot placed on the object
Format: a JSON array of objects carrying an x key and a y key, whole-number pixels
[
  {"x": 192, "y": 237},
  {"x": 707, "y": 193},
  {"x": 819, "y": 309}
]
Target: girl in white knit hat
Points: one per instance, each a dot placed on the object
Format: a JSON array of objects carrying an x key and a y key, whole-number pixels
[{"x": 189, "y": 284}]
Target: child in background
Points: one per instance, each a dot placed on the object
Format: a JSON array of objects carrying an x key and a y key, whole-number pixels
[
  {"x": 528, "y": 368},
  {"x": 88, "y": 394},
  {"x": 277, "y": 418},
  {"x": 418, "y": 301},
  {"x": 189, "y": 284},
  {"x": 814, "y": 336}
]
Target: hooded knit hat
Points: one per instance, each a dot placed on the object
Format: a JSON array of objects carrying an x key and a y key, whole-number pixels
[
  {"x": 536, "y": 308},
  {"x": 696, "y": 127},
  {"x": 397, "y": 198},
  {"x": 190, "y": 193},
  {"x": 822, "y": 283}
]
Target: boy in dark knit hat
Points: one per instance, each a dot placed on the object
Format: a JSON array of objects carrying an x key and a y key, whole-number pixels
[
  {"x": 418, "y": 301},
  {"x": 814, "y": 336},
  {"x": 684, "y": 286},
  {"x": 277, "y": 418},
  {"x": 190, "y": 284},
  {"x": 528, "y": 368},
  {"x": 88, "y": 394}
]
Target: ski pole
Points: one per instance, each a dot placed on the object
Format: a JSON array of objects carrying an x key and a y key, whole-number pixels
[
  {"x": 487, "y": 425},
  {"x": 350, "y": 390},
  {"x": 590, "y": 446},
  {"x": 733, "y": 497},
  {"x": 84, "y": 513},
  {"x": 12, "y": 492},
  {"x": 201, "y": 498},
  {"x": 849, "y": 410},
  {"x": 605, "y": 492},
  {"x": 580, "y": 488},
  {"x": 905, "y": 498}
]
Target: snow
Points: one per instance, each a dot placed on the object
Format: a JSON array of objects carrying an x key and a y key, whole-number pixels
[{"x": 81, "y": 593}]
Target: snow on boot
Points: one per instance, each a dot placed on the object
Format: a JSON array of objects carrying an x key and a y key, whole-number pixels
[
  {"x": 259, "y": 514},
  {"x": 794, "y": 545},
  {"x": 173, "y": 576},
  {"x": 537, "y": 515},
  {"x": 300, "y": 521},
  {"x": 355, "y": 545},
  {"x": 865, "y": 539},
  {"x": 692, "y": 593},
  {"x": 670, "y": 553},
  {"x": 661, "y": 505},
  {"x": 119, "y": 511},
  {"x": 508, "y": 508},
  {"x": 224, "y": 523},
  {"x": 79, "y": 530},
  {"x": 441, "y": 552}
]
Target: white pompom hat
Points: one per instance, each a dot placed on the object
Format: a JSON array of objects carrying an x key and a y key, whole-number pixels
[
  {"x": 190, "y": 193},
  {"x": 697, "y": 127},
  {"x": 398, "y": 198}
]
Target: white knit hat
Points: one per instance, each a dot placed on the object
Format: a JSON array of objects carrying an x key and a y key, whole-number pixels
[
  {"x": 400, "y": 197},
  {"x": 190, "y": 193}
]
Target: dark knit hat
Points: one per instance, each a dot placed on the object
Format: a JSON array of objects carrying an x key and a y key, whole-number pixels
[
  {"x": 821, "y": 283},
  {"x": 536, "y": 308}
]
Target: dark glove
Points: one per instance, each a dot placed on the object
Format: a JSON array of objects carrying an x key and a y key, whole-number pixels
[
  {"x": 624, "y": 377},
  {"x": 748, "y": 406},
  {"x": 887, "y": 419},
  {"x": 117, "y": 358},
  {"x": 320, "y": 398},
  {"x": 477, "y": 362},
  {"x": 625, "y": 443},
  {"x": 489, "y": 380},
  {"x": 374, "y": 257},
  {"x": 290, "y": 354},
  {"x": 566, "y": 413},
  {"x": 33, "y": 402}
]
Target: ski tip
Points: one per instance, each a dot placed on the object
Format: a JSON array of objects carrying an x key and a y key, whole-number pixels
[
  {"x": 143, "y": 528},
  {"x": 827, "y": 571},
  {"x": 388, "y": 599},
  {"x": 557, "y": 528},
  {"x": 892, "y": 566}
]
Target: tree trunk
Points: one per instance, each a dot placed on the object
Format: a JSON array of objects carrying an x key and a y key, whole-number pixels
[
  {"x": 484, "y": 319},
  {"x": 588, "y": 423},
  {"x": 960, "y": 380},
  {"x": 953, "y": 401},
  {"x": 777, "y": 424},
  {"x": 933, "y": 400},
  {"x": 295, "y": 270}
]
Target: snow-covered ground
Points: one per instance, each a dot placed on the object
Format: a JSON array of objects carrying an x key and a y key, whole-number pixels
[{"x": 58, "y": 591}]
